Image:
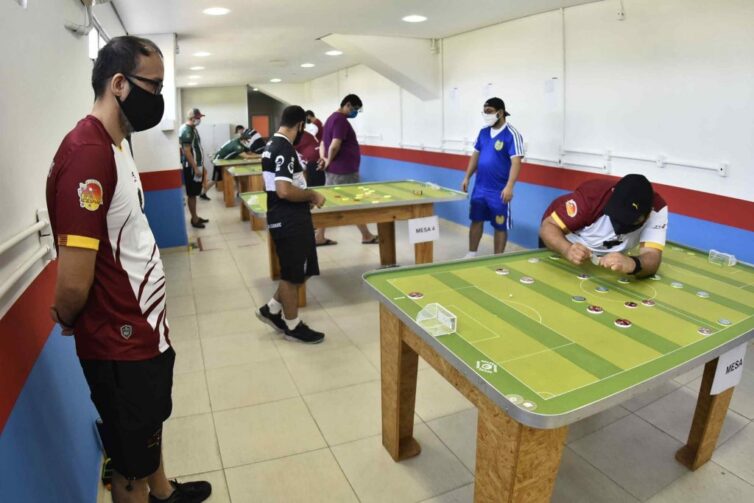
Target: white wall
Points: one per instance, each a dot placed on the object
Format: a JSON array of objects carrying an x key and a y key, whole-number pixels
[
  {"x": 45, "y": 89},
  {"x": 675, "y": 78},
  {"x": 323, "y": 95},
  {"x": 220, "y": 104},
  {"x": 514, "y": 61},
  {"x": 292, "y": 94}
]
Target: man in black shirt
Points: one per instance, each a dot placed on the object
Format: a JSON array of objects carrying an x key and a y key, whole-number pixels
[{"x": 290, "y": 223}]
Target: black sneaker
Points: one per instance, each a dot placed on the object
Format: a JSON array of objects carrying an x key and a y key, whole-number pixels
[
  {"x": 197, "y": 225},
  {"x": 302, "y": 333},
  {"x": 190, "y": 492},
  {"x": 273, "y": 320},
  {"x": 205, "y": 197}
]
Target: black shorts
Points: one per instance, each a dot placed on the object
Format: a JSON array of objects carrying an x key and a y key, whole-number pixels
[
  {"x": 193, "y": 188},
  {"x": 133, "y": 400},
  {"x": 297, "y": 252},
  {"x": 217, "y": 174},
  {"x": 314, "y": 177}
]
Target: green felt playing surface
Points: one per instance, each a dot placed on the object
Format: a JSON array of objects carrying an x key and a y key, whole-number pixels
[
  {"x": 245, "y": 170},
  {"x": 361, "y": 195},
  {"x": 237, "y": 162},
  {"x": 540, "y": 348}
]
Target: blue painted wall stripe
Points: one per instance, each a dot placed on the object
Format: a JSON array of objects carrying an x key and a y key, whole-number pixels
[
  {"x": 49, "y": 450},
  {"x": 164, "y": 210},
  {"x": 531, "y": 200}
]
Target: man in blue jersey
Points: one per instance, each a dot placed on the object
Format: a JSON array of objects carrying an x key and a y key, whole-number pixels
[{"x": 496, "y": 160}]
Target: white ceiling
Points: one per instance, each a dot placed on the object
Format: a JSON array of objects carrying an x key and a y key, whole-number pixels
[{"x": 264, "y": 39}]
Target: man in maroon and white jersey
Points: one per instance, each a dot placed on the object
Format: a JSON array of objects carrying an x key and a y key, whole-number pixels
[
  {"x": 603, "y": 220},
  {"x": 110, "y": 291}
]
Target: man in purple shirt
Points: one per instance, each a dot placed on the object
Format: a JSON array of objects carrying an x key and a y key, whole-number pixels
[{"x": 340, "y": 150}]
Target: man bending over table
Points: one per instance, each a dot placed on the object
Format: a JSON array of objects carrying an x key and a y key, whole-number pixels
[{"x": 603, "y": 220}]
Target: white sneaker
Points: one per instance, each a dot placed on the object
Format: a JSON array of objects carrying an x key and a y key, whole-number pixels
[{"x": 470, "y": 254}]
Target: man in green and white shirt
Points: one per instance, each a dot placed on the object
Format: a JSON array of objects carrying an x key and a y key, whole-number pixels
[
  {"x": 192, "y": 161},
  {"x": 248, "y": 141}
]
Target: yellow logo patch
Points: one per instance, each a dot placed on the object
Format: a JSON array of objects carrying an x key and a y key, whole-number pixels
[
  {"x": 499, "y": 145},
  {"x": 500, "y": 219},
  {"x": 90, "y": 194},
  {"x": 571, "y": 208}
]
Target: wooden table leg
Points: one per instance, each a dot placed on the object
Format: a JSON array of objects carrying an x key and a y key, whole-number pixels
[
  {"x": 399, "y": 366},
  {"x": 229, "y": 195},
  {"x": 256, "y": 184},
  {"x": 243, "y": 182},
  {"x": 424, "y": 252},
  {"x": 514, "y": 463},
  {"x": 273, "y": 258},
  {"x": 708, "y": 421},
  {"x": 386, "y": 231}
]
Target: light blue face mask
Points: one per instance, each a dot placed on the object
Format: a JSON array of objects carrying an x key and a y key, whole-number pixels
[{"x": 353, "y": 114}]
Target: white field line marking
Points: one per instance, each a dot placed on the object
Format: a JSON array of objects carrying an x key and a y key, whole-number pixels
[
  {"x": 540, "y": 316},
  {"x": 471, "y": 318},
  {"x": 521, "y": 381},
  {"x": 670, "y": 266},
  {"x": 665, "y": 305}
]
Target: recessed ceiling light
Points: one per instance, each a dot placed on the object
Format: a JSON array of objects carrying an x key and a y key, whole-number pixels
[
  {"x": 334, "y": 53},
  {"x": 191, "y": 84},
  {"x": 195, "y": 76},
  {"x": 276, "y": 80},
  {"x": 196, "y": 68},
  {"x": 255, "y": 89},
  {"x": 216, "y": 11},
  {"x": 202, "y": 54},
  {"x": 414, "y": 18},
  {"x": 307, "y": 65}
]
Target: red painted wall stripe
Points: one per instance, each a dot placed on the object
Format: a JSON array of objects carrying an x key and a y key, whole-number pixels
[
  {"x": 693, "y": 203},
  {"x": 23, "y": 333},
  {"x": 161, "y": 180}
]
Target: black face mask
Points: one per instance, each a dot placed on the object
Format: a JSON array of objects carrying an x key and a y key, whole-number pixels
[{"x": 142, "y": 109}]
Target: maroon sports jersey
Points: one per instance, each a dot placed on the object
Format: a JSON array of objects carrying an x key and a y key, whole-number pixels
[
  {"x": 96, "y": 201},
  {"x": 580, "y": 214}
]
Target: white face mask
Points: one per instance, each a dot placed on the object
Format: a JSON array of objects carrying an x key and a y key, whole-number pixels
[
  {"x": 312, "y": 129},
  {"x": 490, "y": 119},
  {"x": 197, "y": 122}
]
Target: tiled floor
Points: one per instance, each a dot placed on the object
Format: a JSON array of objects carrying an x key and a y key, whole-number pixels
[{"x": 267, "y": 420}]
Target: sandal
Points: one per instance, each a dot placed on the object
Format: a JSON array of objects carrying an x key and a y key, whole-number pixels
[
  {"x": 327, "y": 242},
  {"x": 374, "y": 241}
]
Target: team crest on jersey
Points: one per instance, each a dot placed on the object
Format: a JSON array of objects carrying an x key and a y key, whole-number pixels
[
  {"x": 500, "y": 219},
  {"x": 126, "y": 331},
  {"x": 499, "y": 145},
  {"x": 90, "y": 194},
  {"x": 572, "y": 208}
]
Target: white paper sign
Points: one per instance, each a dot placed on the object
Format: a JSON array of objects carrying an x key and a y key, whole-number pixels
[
  {"x": 421, "y": 230},
  {"x": 730, "y": 367}
]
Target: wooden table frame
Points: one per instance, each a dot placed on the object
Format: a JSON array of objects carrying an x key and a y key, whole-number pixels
[
  {"x": 514, "y": 462},
  {"x": 246, "y": 183},
  {"x": 385, "y": 218}
]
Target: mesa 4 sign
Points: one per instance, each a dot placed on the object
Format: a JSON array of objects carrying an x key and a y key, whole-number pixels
[{"x": 421, "y": 230}]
